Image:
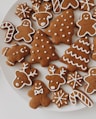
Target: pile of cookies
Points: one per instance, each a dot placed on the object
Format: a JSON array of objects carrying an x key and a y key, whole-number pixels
[{"x": 56, "y": 23}]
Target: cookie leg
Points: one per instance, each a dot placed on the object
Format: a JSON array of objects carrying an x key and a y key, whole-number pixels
[
  {"x": 92, "y": 31},
  {"x": 74, "y": 3},
  {"x": 81, "y": 32},
  {"x": 34, "y": 103},
  {"x": 90, "y": 90},
  {"x": 17, "y": 36},
  {"x": 71, "y": 68},
  {"x": 45, "y": 101},
  {"x": 65, "y": 4}
]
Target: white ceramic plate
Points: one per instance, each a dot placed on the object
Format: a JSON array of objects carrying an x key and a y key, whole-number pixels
[{"x": 9, "y": 72}]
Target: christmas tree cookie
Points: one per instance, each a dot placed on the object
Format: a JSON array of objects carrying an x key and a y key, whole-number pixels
[
  {"x": 77, "y": 56},
  {"x": 42, "y": 49},
  {"x": 61, "y": 29}
]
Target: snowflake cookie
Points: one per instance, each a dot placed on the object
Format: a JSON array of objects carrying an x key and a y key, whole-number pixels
[
  {"x": 74, "y": 80},
  {"x": 23, "y": 11},
  {"x": 60, "y": 98}
]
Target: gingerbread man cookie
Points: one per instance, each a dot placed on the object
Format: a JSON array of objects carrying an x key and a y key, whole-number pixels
[
  {"x": 90, "y": 80},
  {"x": 60, "y": 98},
  {"x": 65, "y": 4},
  {"x": 56, "y": 77},
  {"x": 93, "y": 48},
  {"x": 16, "y": 53},
  {"x": 86, "y": 25},
  {"x": 25, "y": 76},
  {"x": 39, "y": 94},
  {"x": 24, "y": 31}
]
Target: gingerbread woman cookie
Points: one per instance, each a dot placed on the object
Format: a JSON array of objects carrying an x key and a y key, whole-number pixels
[
  {"x": 56, "y": 77},
  {"x": 60, "y": 98},
  {"x": 86, "y": 25},
  {"x": 24, "y": 31},
  {"x": 39, "y": 94},
  {"x": 25, "y": 76},
  {"x": 16, "y": 53},
  {"x": 90, "y": 80},
  {"x": 65, "y": 4}
]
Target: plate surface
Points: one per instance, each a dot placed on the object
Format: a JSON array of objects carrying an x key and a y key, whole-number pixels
[{"x": 9, "y": 72}]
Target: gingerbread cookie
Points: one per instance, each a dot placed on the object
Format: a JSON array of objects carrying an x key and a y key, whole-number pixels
[
  {"x": 61, "y": 28},
  {"x": 16, "y": 53},
  {"x": 90, "y": 80},
  {"x": 39, "y": 94},
  {"x": 24, "y": 31},
  {"x": 25, "y": 76},
  {"x": 10, "y": 31},
  {"x": 23, "y": 11},
  {"x": 74, "y": 80},
  {"x": 77, "y": 56},
  {"x": 65, "y": 4},
  {"x": 93, "y": 48},
  {"x": 56, "y": 6},
  {"x": 60, "y": 98},
  {"x": 86, "y": 5},
  {"x": 86, "y": 25},
  {"x": 56, "y": 77},
  {"x": 42, "y": 50},
  {"x": 43, "y": 17},
  {"x": 77, "y": 94}
]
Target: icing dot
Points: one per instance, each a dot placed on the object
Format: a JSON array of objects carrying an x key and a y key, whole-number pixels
[
  {"x": 36, "y": 45},
  {"x": 48, "y": 58},
  {"x": 49, "y": 31},
  {"x": 38, "y": 50},
  {"x": 41, "y": 34},
  {"x": 17, "y": 52},
  {"x": 57, "y": 20},
  {"x": 32, "y": 52},
  {"x": 55, "y": 34},
  {"x": 45, "y": 52},
  {"x": 50, "y": 47},
  {"x": 43, "y": 46},
  {"x": 72, "y": 23},
  {"x": 62, "y": 24},
  {"x": 61, "y": 29},
  {"x": 67, "y": 12},
  {"x": 39, "y": 57},
  {"x": 39, "y": 19},
  {"x": 36, "y": 37},
  {"x": 38, "y": 32},
  {"x": 69, "y": 33},
  {"x": 24, "y": 47},
  {"x": 70, "y": 16},
  {"x": 42, "y": 40},
  {"x": 13, "y": 53},
  {"x": 53, "y": 54},
  {"x": 67, "y": 40},
  {"x": 67, "y": 27},
  {"x": 26, "y": 50},
  {"x": 63, "y": 35},
  {"x": 47, "y": 42},
  {"x": 65, "y": 19},
  {"x": 32, "y": 60},
  {"x": 62, "y": 16},
  {"x": 55, "y": 25}
]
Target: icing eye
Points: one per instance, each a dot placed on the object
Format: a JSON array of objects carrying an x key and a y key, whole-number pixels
[
  {"x": 51, "y": 81},
  {"x": 39, "y": 83},
  {"x": 57, "y": 83},
  {"x": 39, "y": 19},
  {"x": 21, "y": 81},
  {"x": 44, "y": 18},
  {"x": 35, "y": 84},
  {"x": 24, "y": 47},
  {"x": 17, "y": 78}
]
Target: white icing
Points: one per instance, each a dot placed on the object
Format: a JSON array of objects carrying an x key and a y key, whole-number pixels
[
  {"x": 21, "y": 59},
  {"x": 37, "y": 92},
  {"x": 56, "y": 6},
  {"x": 84, "y": 43},
  {"x": 11, "y": 63}
]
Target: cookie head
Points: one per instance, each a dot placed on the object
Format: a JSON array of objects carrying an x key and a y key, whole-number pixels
[
  {"x": 20, "y": 80},
  {"x": 86, "y": 16},
  {"x": 92, "y": 71},
  {"x": 26, "y": 23}
]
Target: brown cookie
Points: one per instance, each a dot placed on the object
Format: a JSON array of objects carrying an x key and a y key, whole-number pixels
[
  {"x": 77, "y": 56},
  {"x": 17, "y": 53},
  {"x": 10, "y": 31},
  {"x": 25, "y": 76},
  {"x": 74, "y": 80},
  {"x": 90, "y": 80},
  {"x": 61, "y": 28},
  {"x": 77, "y": 94},
  {"x": 42, "y": 50},
  {"x": 94, "y": 49},
  {"x": 60, "y": 98},
  {"x": 23, "y": 11},
  {"x": 39, "y": 94},
  {"x": 56, "y": 77},
  {"x": 24, "y": 31}
]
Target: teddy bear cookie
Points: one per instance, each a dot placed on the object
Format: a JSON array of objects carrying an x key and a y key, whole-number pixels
[
  {"x": 24, "y": 31},
  {"x": 86, "y": 5},
  {"x": 39, "y": 94},
  {"x": 42, "y": 50},
  {"x": 56, "y": 77},
  {"x": 74, "y": 79},
  {"x": 60, "y": 98},
  {"x": 16, "y": 53},
  {"x": 10, "y": 31},
  {"x": 86, "y": 25},
  {"x": 81, "y": 96},
  {"x": 61, "y": 29},
  {"x": 90, "y": 80},
  {"x": 25, "y": 76},
  {"x": 77, "y": 56},
  {"x": 23, "y": 11}
]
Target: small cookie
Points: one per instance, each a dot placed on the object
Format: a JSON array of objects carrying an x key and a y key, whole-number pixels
[
  {"x": 90, "y": 79},
  {"x": 60, "y": 98},
  {"x": 61, "y": 28},
  {"x": 16, "y": 53},
  {"x": 86, "y": 25},
  {"x": 86, "y": 5},
  {"x": 10, "y": 31},
  {"x": 25, "y": 76},
  {"x": 77, "y": 94},
  {"x": 39, "y": 94},
  {"x": 23, "y": 11},
  {"x": 56, "y": 77},
  {"x": 56, "y": 6},
  {"x": 42, "y": 18},
  {"x": 42, "y": 50},
  {"x": 24, "y": 31},
  {"x": 65, "y": 4},
  {"x": 94, "y": 13},
  {"x": 77, "y": 56},
  {"x": 74, "y": 80}
]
